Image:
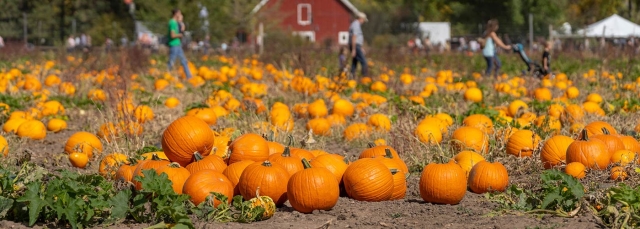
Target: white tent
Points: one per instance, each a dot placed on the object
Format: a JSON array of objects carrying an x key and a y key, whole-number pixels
[
  {"x": 613, "y": 26},
  {"x": 438, "y": 32}
]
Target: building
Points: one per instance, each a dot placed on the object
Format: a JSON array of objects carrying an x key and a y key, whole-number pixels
[{"x": 316, "y": 20}]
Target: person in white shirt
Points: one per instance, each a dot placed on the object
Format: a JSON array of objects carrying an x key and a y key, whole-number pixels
[
  {"x": 71, "y": 44},
  {"x": 1, "y": 42}
]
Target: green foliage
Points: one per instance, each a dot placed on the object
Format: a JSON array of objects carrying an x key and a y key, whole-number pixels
[
  {"x": 621, "y": 207},
  {"x": 148, "y": 149},
  {"x": 157, "y": 202},
  {"x": 239, "y": 210}
]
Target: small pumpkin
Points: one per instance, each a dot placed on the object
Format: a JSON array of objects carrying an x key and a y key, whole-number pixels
[
  {"x": 78, "y": 160},
  {"x": 143, "y": 113},
  {"x": 623, "y": 157},
  {"x": 576, "y": 169},
  {"x": 201, "y": 184},
  {"x": 630, "y": 143},
  {"x": 56, "y": 125},
  {"x": 212, "y": 162},
  {"x": 334, "y": 163},
  {"x": 110, "y": 164},
  {"x": 155, "y": 163},
  {"x": 596, "y": 127},
  {"x": 356, "y": 130},
  {"x": 380, "y": 122},
  {"x": 249, "y": 147},
  {"x": 312, "y": 189},
  {"x": 4, "y": 146},
  {"x": 399, "y": 178},
  {"x": 522, "y": 143},
  {"x": 590, "y": 152},
  {"x": 302, "y": 153},
  {"x": 488, "y": 177},
  {"x": 317, "y": 109},
  {"x": 319, "y": 126},
  {"x": 343, "y": 108},
  {"x": 290, "y": 162},
  {"x": 443, "y": 183},
  {"x": 206, "y": 114},
  {"x": 271, "y": 178},
  {"x": 177, "y": 175},
  {"x": 467, "y": 159},
  {"x": 125, "y": 172},
  {"x": 185, "y": 136},
  {"x": 554, "y": 151},
  {"x": 11, "y": 126},
  {"x": 618, "y": 173},
  {"x": 368, "y": 179},
  {"x": 84, "y": 142},
  {"x": 266, "y": 203},
  {"x": 480, "y": 121},
  {"x": 470, "y": 138}
]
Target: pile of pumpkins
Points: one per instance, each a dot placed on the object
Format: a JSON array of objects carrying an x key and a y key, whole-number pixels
[{"x": 28, "y": 124}]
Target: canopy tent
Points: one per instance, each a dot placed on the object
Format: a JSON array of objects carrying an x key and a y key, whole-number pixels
[{"x": 612, "y": 27}]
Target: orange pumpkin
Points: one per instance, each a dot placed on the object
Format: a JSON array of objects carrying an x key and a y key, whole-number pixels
[
  {"x": 590, "y": 152},
  {"x": 399, "y": 179},
  {"x": 249, "y": 147},
  {"x": 522, "y": 143},
  {"x": 275, "y": 147},
  {"x": 177, "y": 175},
  {"x": 202, "y": 183},
  {"x": 467, "y": 159},
  {"x": 470, "y": 138},
  {"x": 125, "y": 172},
  {"x": 110, "y": 164},
  {"x": 212, "y": 162},
  {"x": 207, "y": 115},
  {"x": 488, "y": 177},
  {"x": 312, "y": 189},
  {"x": 292, "y": 163},
  {"x": 595, "y": 128},
  {"x": 332, "y": 162},
  {"x": 270, "y": 178},
  {"x": 368, "y": 179},
  {"x": 576, "y": 169},
  {"x": 185, "y": 136},
  {"x": 301, "y": 153},
  {"x": 623, "y": 157},
  {"x": 554, "y": 151},
  {"x": 630, "y": 143},
  {"x": 443, "y": 183},
  {"x": 234, "y": 171},
  {"x": 618, "y": 173},
  {"x": 612, "y": 142},
  {"x": 480, "y": 121},
  {"x": 155, "y": 163},
  {"x": 84, "y": 142}
]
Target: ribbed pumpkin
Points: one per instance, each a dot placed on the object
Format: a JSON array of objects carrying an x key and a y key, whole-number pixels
[
  {"x": 630, "y": 143},
  {"x": 301, "y": 153},
  {"x": 332, "y": 162},
  {"x": 576, "y": 169},
  {"x": 201, "y": 184},
  {"x": 84, "y": 142},
  {"x": 592, "y": 153},
  {"x": 312, "y": 189},
  {"x": 399, "y": 179},
  {"x": 212, "y": 162},
  {"x": 623, "y": 157},
  {"x": 429, "y": 133},
  {"x": 467, "y": 159},
  {"x": 125, "y": 172},
  {"x": 155, "y": 163},
  {"x": 368, "y": 179},
  {"x": 221, "y": 146},
  {"x": 618, "y": 173},
  {"x": 317, "y": 152},
  {"x": 292, "y": 163},
  {"x": 612, "y": 142},
  {"x": 143, "y": 113},
  {"x": 177, "y": 175},
  {"x": 522, "y": 143},
  {"x": 470, "y": 138},
  {"x": 595, "y": 128},
  {"x": 234, "y": 171},
  {"x": 206, "y": 114},
  {"x": 275, "y": 147},
  {"x": 110, "y": 164},
  {"x": 249, "y": 147},
  {"x": 381, "y": 151},
  {"x": 554, "y": 151},
  {"x": 185, "y": 136},
  {"x": 488, "y": 177},
  {"x": 480, "y": 121},
  {"x": 271, "y": 178},
  {"x": 443, "y": 183}
]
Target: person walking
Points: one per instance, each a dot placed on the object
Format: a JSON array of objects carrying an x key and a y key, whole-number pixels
[
  {"x": 355, "y": 44},
  {"x": 491, "y": 40},
  {"x": 175, "y": 46}
]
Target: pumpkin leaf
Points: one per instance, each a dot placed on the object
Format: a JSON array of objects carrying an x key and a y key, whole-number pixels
[
  {"x": 35, "y": 202},
  {"x": 120, "y": 205},
  {"x": 5, "y": 206}
]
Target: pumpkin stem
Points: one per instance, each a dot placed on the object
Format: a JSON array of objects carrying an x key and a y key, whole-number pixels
[
  {"x": 306, "y": 163},
  {"x": 290, "y": 137},
  {"x": 605, "y": 131},
  {"x": 197, "y": 156},
  {"x": 174, "y": 165},
  {"x": 272, "y": 135},
  {"x": 155, "y": 157},
  {"x": 266, "y": 163},
  {"x": 371, "y": 144},
  {"x": 394, "y": 171},
  {"x": 287, "y": 152},
  {"x": 387, "y": 153},
  {"x": 346, "y": 160},
  {"x": 583, "y": 135}
]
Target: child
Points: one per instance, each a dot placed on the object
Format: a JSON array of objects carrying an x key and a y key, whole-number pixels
[
  {"x": 546, "y": 58},
  {"x": 342, "y": 58}
]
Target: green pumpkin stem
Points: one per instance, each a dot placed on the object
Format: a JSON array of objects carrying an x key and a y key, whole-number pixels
[
  {"x": 371, "y": 144},
  {"x": 174, "y": 165},
  {"x": 266, "y": 163},
  {"x": 198, "y": 156},
  {"x": 286, "y": 152},
  {"x": 605, "y": 131},
  {"x": 306, "y": 163},
  {"x": 394, "y": 171},
  {"x": 387, "y": 153}
]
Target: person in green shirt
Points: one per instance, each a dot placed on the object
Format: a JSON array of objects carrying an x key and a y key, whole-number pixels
[{"x": 176, "y": 27}]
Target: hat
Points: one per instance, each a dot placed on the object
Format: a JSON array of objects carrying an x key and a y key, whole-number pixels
[{"x": 362, "y": 15}]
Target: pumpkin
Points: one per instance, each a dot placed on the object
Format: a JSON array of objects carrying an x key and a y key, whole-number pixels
[
  {"x": 522, "y": 143},
  {"x": 343, "y": 108},
  {"x": 573, "y": 113},
  {"x": 443, "y": 183},
  {"x": 266, "y": 203},
  {"x": 470, "y": 138},
  {"x": 52, "y": 108},
  {"x": 159, "y": 154},
  {"x": 473, "y": 95},
  {"x": 172, "y": 102},
  {"x": 356, "y": 130},
  {"x": 201, "y": 184},
  {"x": 107, "y": 131},
  {"x": 143, "y": 113},
  {"x": 206, "y": 114},
  {"x": 378, "y": 151},
  {"x": 176, "y": 174},
  {"x": 442, "y": 124},
  {"x": 319, "y": 126},
  {"x": 56, "y": 125},
  {"x": 249, "y": 147},
  {"x": 488, "y": 177},
  {"x": 317, "y": 152},
  {"x": 368, "y": 179},
  {"x": 317, "y": 109},
  {"x": 480, "y": 121},
  {"x": 399, "y": 179},
  {"x": 84, "y": 142},
  {"x": 467, "y": 159},
  {"x": 78, "y": 160},
  {"x": 270, "y": 178},
  {"x": 630, "y": 143},
  {"x": 623, "y": 157},
  {"x": 618, "y": 173},
  {"x": 110, "y": 164},
  {"x": 234, "y": 171},
  {"x": 590, "y": 152},
  {"x": 33, "y": 129},
  {"x": 336, "y": 164},
  {"x": 596, "y": 128},
  {"x": 336, "y": 120},
  {"x": 380, "y": 122},
  {"x": 428, "y": 133},
  {"x": 301, "y": 153},
  {"x": 517, "y": 106},
  {"x": 212, "y": 162},
  {"x": 11, "y": 126},
  {"x": 612, "y": 142},
  {"x": 125, "y": 172},
  {"x": 290, "y": 162},
  {"x": 185, "y": 136},
  {"x": 221, "y": 147},
  {"x": 312, "y": 189},
  {"x": 554, "y": 151},
  {"x": 4, "y": 146},
  {"x": 275, "y": 147},
  {"x": 154, "y": 163}
]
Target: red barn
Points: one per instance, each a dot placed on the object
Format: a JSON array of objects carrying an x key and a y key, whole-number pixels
[{"x": 317, "y": 20}]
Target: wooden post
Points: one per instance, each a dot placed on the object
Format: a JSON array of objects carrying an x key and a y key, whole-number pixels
[
  {"x": 261, "y": 38},
  {"x": 530, "y": 32}
]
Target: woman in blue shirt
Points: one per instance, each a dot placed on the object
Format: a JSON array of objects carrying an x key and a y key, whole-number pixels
[{"x": 491, "y": 40}]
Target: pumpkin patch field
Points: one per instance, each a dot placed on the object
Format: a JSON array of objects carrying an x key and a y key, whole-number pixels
[{"x": 121, "y": 142}]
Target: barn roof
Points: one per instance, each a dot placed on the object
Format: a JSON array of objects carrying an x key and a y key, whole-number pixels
[{"x": 345, "y": 2}]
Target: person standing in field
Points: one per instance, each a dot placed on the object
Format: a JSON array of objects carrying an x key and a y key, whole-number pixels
[
  {"x": 175, "y": 46},
  {"x": 489, "y": 50},
  {"x": 355, "y": 44}
]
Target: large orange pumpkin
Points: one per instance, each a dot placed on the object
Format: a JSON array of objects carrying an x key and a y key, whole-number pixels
[
  {"x": 332, "y": 162},
  {"x": 592, "y": 153},
  {"x": 522, "y": 143},
  {"x": 202, "y": 183},
  {"x": 312, "y": 189},
  {"x": 185, "y": 136},
  {"x": 554, "y": 151},
  {"x": 368, "y": 179},
  {"x": 249, "y": 147},
  {"x": 270, "y": 178},
  {"x": 488, "y": 177},
  {"x": 443, "y": 183},
  {"x": 234, "y": 171}
]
